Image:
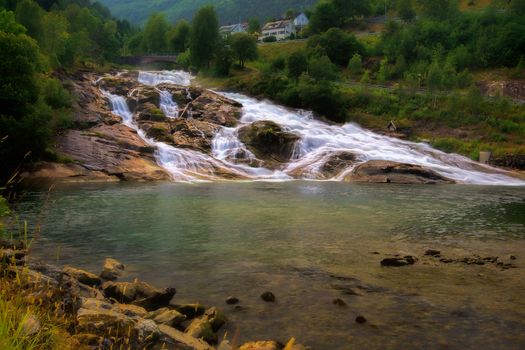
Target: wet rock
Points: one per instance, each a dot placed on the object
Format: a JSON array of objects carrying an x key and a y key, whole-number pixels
[
  {"x": 261, "y": 345},
  {"x": 268, "y": 297},
  {"x": 216, "y": 318},
  {"x": 268, "y": 142},
  {"x": 339, "y": 302},
  {"x": 232, "y": 300},
  {"x": 167, "y": 317},
  {"x": 193, "y": 134},
  {"x": 138, "y": 293},
  {"x": 360, "y": 319},
  {"x": 175, "y": 339},
  {"x": 150, "y": 112},
  {"x": 141, "y": 96},
  {"x": 215, "y": 109},
  {"x": 112, "y": 269},
  {"x": 83, "y": 276},
  {"x": 397, "y": 262},
  {"x": 201, "y": 328},
  {"x": 380, "y": 171},
  {"x": 190, "y": 310},
  {"x": 433, "y": 252},
  {"x": 337, "y": 163}
]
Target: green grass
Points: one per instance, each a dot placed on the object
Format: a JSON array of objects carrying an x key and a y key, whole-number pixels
[{"x": 270, "y": 51}]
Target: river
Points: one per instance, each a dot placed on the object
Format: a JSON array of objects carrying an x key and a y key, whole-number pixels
[{"x": 309, "y": 243}]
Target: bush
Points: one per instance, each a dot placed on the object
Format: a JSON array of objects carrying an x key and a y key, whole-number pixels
[
  {"x": 55, "y": 95},
  {"x": 321, "y": 68},
  {"x": 269, "y": 39},
  {"x": 355, "y": 66}
]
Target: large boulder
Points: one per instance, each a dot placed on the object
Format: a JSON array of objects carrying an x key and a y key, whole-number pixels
[
  {"x": 193, "y": 134},
  {"x": 216, "y": 109},
  {"x": 82, "y": 276},
  {"x": 206, "y": 326},
  {"x": 172, "y": 338},
  {"x": 268, "y": 141},
  {"x": 167, "y": 317},
  {"x": 141, "y": 96},
  {"x": 112, "y": 269},
  {"x": 138, "y": 293},
  {"x": 382, "y": 171}
]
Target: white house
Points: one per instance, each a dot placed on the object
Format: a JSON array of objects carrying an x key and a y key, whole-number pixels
[
  {"x": 233, "y": 28},
  {"x": 300, "y": 22},
  {"x": 281, "y": 30}
]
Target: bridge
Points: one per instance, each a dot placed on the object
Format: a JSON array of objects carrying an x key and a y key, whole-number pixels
[{"x": 141, "y": 60}]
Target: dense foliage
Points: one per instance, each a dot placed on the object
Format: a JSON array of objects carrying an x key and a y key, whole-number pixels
[{"x": 36, "y": 39}]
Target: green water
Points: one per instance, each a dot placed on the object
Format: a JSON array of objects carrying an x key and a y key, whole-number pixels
[{"x": 309, "y": 243}]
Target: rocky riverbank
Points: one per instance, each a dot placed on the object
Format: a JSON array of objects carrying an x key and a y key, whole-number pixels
[{"x": 100, "y": 312}]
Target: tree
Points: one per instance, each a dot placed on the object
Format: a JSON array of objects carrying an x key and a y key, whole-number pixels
[
  {"x": 439, "y": 9},
  {"x": 355, "y": 66},
  {"x": 223, "y": 59},
  {"x": 297, "y": 64},
  {"x": 204, "y": 36},
  {"x": 405, "y": 10},
  {"x": 29, "y": 14},
  {"x": 338, "y": 45},
  {"x": 179, "y": 37},
  {"x": 244, "y": 47},
  {"x": 23, "y": 128},
  {"x": 154, "y": 37},
  {"x": 8, "y": 23},
  {"x": 321, "y": 68},
  {"x": 54, "y": 36},
  {"x": 323, "y": 17},
  {"x": 517, "y": 7},
  {"x": 254, "y": 25},
  {"x": 290, "y": 14}
]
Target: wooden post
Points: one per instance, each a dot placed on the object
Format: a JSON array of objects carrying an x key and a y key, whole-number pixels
[{"x": 484, "y": 157}]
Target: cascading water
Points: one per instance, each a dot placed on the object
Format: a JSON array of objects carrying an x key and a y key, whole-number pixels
[{"x": 319, "y": 142}]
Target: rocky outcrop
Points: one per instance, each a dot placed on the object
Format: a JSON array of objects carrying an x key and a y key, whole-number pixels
[
  {"x": 380, "y": 171},
  {"x": 99, "y": 147},
  {"x": 268, "y": 142}
]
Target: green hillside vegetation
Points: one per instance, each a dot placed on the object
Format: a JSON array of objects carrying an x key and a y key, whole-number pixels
[
  {"x": 37, "y": 41},
  {"x": 229, "y": 11}
]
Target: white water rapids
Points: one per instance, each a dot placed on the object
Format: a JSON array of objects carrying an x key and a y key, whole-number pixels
[{"x": 319, "y": 142}]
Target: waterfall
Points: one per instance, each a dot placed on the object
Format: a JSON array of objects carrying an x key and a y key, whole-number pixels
[
  {"x": 167, "y": 105},
  {"x": 319, "y": 142}
]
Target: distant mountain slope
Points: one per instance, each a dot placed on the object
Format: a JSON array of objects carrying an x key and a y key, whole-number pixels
[{"x": 230, "y": 11}]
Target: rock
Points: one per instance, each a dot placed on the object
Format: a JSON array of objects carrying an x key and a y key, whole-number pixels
[
  {"x": 513, "y": 257},
  {"x": 138, "y": 293},
  {"x": 180, "y": 340},
  {"x": 112, "y": 269},
  {"x": 268, "y": 297},
  {"x": 337, "y": 163},
  {"x": 143, "y": 95},
  {"x": 215, "y": 109},
  {"x": 190, "y": 310},
  {"x": 147, "y": 330},
  {"x": 103, "y": 322},
  {"x": 83, "y": 276},
  {"x": 397, "y": 262},
  {"x": 339, "y": 302},
  {"x": 261, "y": 345},
  {"x": 131, "y": 310},
  {"x": 13, "y": 244},
  {"x": 216, "y": 318},
  {"x": 167, "y": 317},
  {"x": 268, "y": 142},
  {"x": 89, "y": 339},
  {"x": 193, "y": 134},
  {"x": 360, "y": 319},
  {"x": 201, "y": 328},
  {"x": 447, "y": 261},
  {"x": 433, "y": 252},
  {"x": 232, "y": 300},
  {"x": 380, "y": 171},
  {"x": 10, "y": 256}
]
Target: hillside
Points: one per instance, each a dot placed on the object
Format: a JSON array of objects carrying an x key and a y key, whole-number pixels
[{"x": 137, "y": 11}]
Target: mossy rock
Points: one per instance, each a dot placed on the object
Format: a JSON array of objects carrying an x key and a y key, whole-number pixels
[{"x": 268, "y": 141}]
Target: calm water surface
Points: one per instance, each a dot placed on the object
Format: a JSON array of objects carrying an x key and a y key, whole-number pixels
[{"x": 309, "y": 243}]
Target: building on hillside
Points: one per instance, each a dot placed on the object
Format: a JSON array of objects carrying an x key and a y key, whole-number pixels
[
  {"x": 281, "y": 30},
  {"x": 228, "y": 30},
  {"x": 300, "y": 22}
]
